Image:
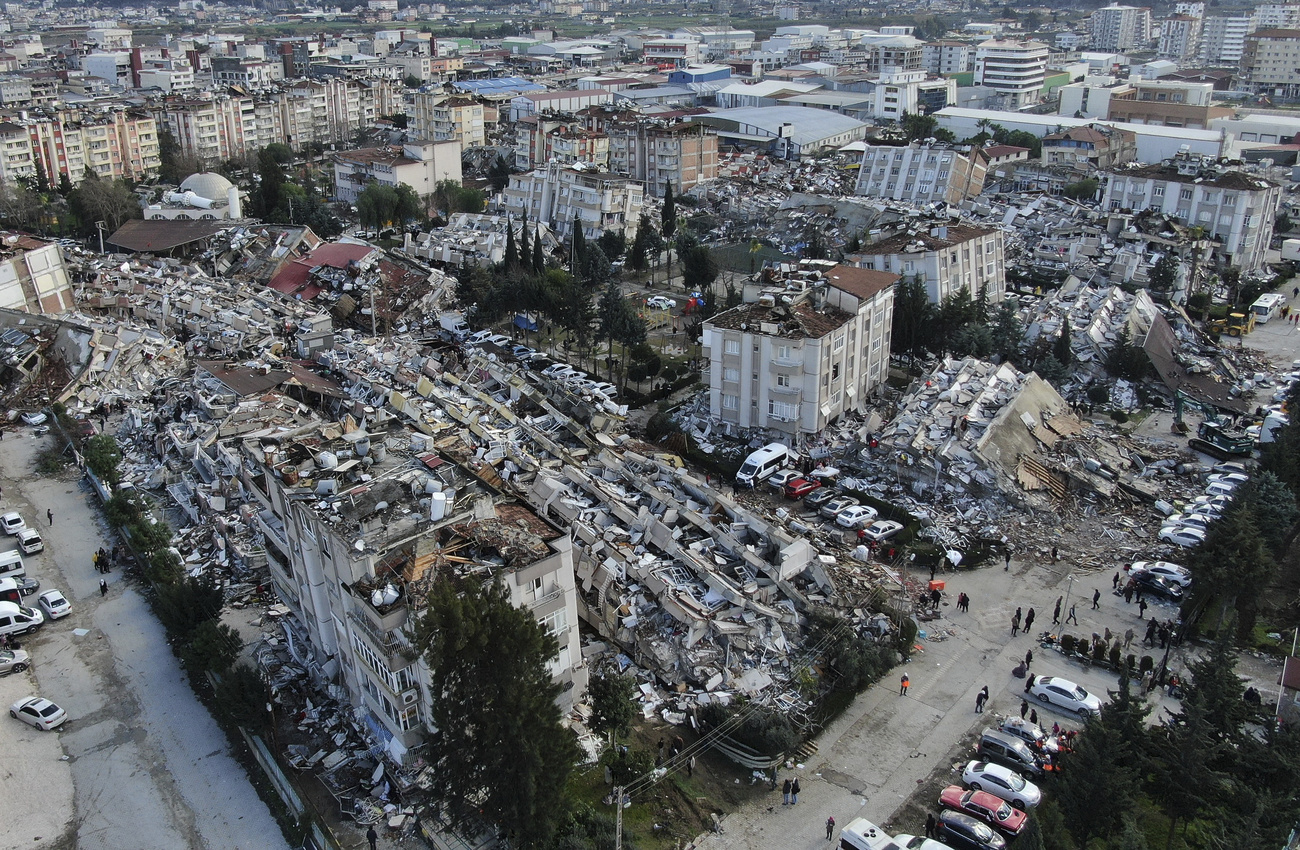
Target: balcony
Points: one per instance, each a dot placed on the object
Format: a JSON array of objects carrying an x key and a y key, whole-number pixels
[{"x": 397, "y": 653}]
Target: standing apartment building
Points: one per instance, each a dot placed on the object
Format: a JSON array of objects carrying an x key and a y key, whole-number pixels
[
  {"x": 117, "y": 144},
  {"x": 441, "y": 118},
  {"x": 1180, "y": 39},
  {"x": 1118, "y": 28},
  {"x": 948, "y": 258},
  {"x": 1236, "y": 208},
  {"x": 1270, "y": 63},
  {"x": 353, "y": 559},
  {"x": 420, "y": 165},
  {"x": 682, "y": 155},
  {"x": 921, "y": 173},
  {"x": 1223, "y": 40},
  {"x": 558, "y": 194},
  {"x": 797, "y": 367},
  {"x": 1015, "y": 69}
]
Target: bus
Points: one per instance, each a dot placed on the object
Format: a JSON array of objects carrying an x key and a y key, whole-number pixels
[{"x": 1268, "y": 306}]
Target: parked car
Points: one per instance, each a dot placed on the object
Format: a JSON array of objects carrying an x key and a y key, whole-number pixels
[
  {"x": 1031, "y": 733},
  {"x": 1221, "y": 488},
  {"x": 818, "y": 498},
  {"x": 13, "y": 661},
  {"x": 1011, "y": 751},
  {"x": 801, "y": 487},
  {"x": 1230, "y": 466},
  {"x": 39, "y": 712},
  {"x": 26, "y": 584},
  {"x": 994, "y": 811},
  {"x": 835, "y": 506},
  {"x": 881, "y": 529},
  {"x": 606, "y": 389},
  {"x": 1002, "y": 782},
  {"x": 782, "y": 477},
  {"x": 960, "y": 831},
  {"x": 29, "y": 540},
  {"x": 1160, "y": 586},
  {"x": 1177, "y": 574},
  {"x": 522, "y": 352},
  {"x": 1209, "y": 505},
  {"x": 856, "y": 516},
  {"x": 1237, "y": 478},
  {"x": 12, "y": 523},
  {"x": 54, "y": 604},
  {"x": 1182, "y": 535},
  {"x": 34, "y": 418},
  {"x": 1065, "y": 694},
  {"x": 1190, "y": 520},
  {"x": 660, "y": 302},
  {"x": 478, "y": 337}
]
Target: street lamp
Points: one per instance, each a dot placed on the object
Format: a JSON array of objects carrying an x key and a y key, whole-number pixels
[{"x": 1068, "y": 590}]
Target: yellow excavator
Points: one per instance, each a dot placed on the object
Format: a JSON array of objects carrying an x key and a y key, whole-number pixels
[{"x": 1236, "y": 324}]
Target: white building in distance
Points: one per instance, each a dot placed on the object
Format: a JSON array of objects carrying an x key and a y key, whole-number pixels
[
  {"x": 1015, "y": 68},
  {"x": 420, "y": 165}
]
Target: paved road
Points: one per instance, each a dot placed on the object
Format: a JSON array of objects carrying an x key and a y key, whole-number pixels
[
  {"x": 146, "y": 766},
  {"x": 872, "y": 759}
]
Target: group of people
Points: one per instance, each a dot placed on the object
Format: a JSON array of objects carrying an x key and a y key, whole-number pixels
[
  {"x": 105, "y": 561},
  {"x": 1017, "y": 626}
]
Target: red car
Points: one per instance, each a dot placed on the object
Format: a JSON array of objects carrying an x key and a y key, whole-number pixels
[
  {"x": 983, "y": 805},
  {"x": 801, "y": 487}
]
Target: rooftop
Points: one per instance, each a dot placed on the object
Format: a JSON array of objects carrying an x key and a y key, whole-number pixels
[
  {"x": 799, "y": 320},
  {"x": 953, "y": 234},
  {"x": 863, "y": 284}
]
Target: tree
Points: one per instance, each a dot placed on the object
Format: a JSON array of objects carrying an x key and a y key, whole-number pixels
[
  {"x": 644, "y": 245},
  {"x": 412, "y": 82},
  {"x": 65, "y": 184},
  {"x": 1097, "y": 791},
  {"x": 613, "y": 243},
  {"x": 577, "y": 247},
  {"x": 1082, "y": 190},
  {"x": 597, "y": 270},
  {"x": 272, "y": 178},
  {"x": 103, "y": 456},
  {"x": 1215, "y": 688},
  {"x": 668, "y": 224},
  {"x": 1231, "y": 567},
  {"x": 1163, "y": 273},
  {"x": 612, "y": 706},
  {"x": 109, "y": 201},
  {"x": 452, "y": 197},
  {"x": 501, "y": 752},
  {"x": 1272, "y": 506},
  {"x": 539, "y": 258},
  {"x": 1061, "y": 348},
  {"x": 280, "y": 152},
  {"x": 511, "y": 261},
  {"x": 184, "y": 605},
  {"x": 397, "y": 119},
  {"x": 499, "y": 174},
  {"x": 1282, "y": 223},
  {"x": 213, "y": 646},
  {"x": 1182, "y": 783},
  {"x": 241, "y": 695},
  {"x": 973, "y": 340},
  {"x": 919, "y": 127},
  {"x": 1008, "y": 335},
  {"x": 914, "y": 316},
  {"x": 380, "y": 205},
  {"x": 616, "y": 317},
  {"x": 699, "y": 270},
  {"x": 1125, "y": 359}
]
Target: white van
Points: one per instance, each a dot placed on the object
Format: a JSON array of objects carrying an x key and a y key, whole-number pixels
[
  {"x": 18, "y": 619},
  {"x": 762, "y": 463},
  {"x": 11, "y": 564},
  {"x": 862, "y": 834},
  {"x": 1268, "y": 306}
]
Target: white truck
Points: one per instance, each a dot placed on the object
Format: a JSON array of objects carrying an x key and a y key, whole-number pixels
[{"x": 454, "y": 324}]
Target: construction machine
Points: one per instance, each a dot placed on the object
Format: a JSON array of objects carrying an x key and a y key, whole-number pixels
[
  {"x": 1235, "y": 324},
  {"x": 1215, "y": 436}
]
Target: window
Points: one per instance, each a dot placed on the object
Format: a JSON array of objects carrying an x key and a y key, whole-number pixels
[
  {"x": 782, "y": 379},
  {"x": 1157, "y": 191},
  {"x": 731, "y": 346},
  {"x": 781, "y": 410},
  {"x": 783, "y": 352},
  {"x": 1185, "y": 194},
  {"x": 839, "y": 341},
  {"x": 730, "y": 402},
  {"x": 835, "y": 371},
  {"x": 556, "y": 624},
  {"x": 732, "y": 375}
]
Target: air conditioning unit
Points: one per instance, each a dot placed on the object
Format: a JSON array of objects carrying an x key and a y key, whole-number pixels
[{"x": 411, "y": 697}]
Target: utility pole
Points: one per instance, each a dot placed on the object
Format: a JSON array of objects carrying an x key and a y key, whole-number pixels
[
  {"x": 1281, "y": 685},
  {"x": 1068, "y": 590},
  {"x": 101, "y": 226},
  {"x": 618, "y": 817}
]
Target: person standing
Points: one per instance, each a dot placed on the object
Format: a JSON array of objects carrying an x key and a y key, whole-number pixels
[
  {"x": 1128, "y": 638},
  {"x": 1024, "y": 708},
  {"x": 1029, "y": 620},
  {"x": 1142, "y": 608},
  {"x": 1006, "y": 556},
  {"x": 1056, "y": 613},
  {"x": 1150, "y": 639},
  {"x": 1056, "y": 555},
  {"x": 1072, "y": 618},
  {"x": 794, "y": 792},
  {"x": 372, "y": 836},
  {"x": 690, "y": 767},
  {"x": 1033, "y": 716},
  {"x": 980, "y": 699},
  {"x": 930, "y": 824},
  {"x": 830, "y": 827},
  {"x": 49, "y": 514},
  {"x": 1015, "y": 623},
  {"x": 103, "y": 587},
  {"x": 785, "y": 792},
  {"x": 902, "y": 685},
  {"x": 1029, "y": 659},
  {"x": 1096, "y": 599}
]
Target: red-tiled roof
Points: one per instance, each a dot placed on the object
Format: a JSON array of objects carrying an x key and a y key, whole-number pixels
[
  {"x": 294, "y": 279},
  {"x": 863, "y": 284}
]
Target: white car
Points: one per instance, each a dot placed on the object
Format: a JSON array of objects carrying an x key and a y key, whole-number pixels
[
  {"x": 882, "y": 529},
  {"x": 559, "y": 370},
  {"x": 39, "y": 712},
  {"x": 1191, "y": 520},
  {"x": 1179, "y": 575},
  {"x": 782, "y": 477},
  {"x": 605, "y": 388},
  {"x": 1221, "y": 488},
  {"x": 1237, "y": 478},
  {"x": 1181, "y": 535},
  {"x": 54, "y": 604},
  {"x": 856, "y": 516},
  {"x": 660, "y": 302},
  {"x": 1003, "y": 783},
  {"x": 29, "y": 540},
  {"x": 1209, "y": 505},
  {"x": 1065, "y": 694},
  {"x": 12, "y": 523},
  {"x": 1229, "y": 466},
  {"x": 34, "y": 418},
  {"x": 478, "y": 337}
]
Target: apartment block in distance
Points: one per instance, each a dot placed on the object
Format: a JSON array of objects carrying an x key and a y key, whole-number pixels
[
  {"x": 796, "y": 367},
  {"x": 682, "y": 155},
  {"x": 558, "y": 194},
  {"x": 420, "y": 165},
  {"x": 948, "y": 258},
  {"x": 1270, "y": 63},
  {"x": 1016, "y": 69},
  {"x": 1119, "y": 28},
  {"x": 921, "y": 173},
  {"x": 441, "y": 118},
  {"x": 1236, "y": 208},
  {"x": 1223, "y": 40}
]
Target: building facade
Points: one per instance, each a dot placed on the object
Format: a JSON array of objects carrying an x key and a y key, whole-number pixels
[
  {"x": 797, "y": 367},
  {"x": 948, "y": 259},
  {"x": 682, "y": 155},
  {"x": 1223, "y": 40},
  {"x": 557, "y": 195},
  {"x": 1270, "y": 63},
  {"x": 921, "y": 173},
  {"x": 1237, "y": 209},
  {"x": 420, "y": 165},
  {"x": 1015, "y": 69},
  {"x": 440, "y": 118},
  {"x": 1089, "y": 148},
  {"x": 1119, "y": 28},
  {"x": 1180, "y": 39}
]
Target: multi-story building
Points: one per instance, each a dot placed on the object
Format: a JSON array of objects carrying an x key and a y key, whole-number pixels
[
  {"x": 1180, "y": 38},
  {"x": 947, "y": 57},
  {"x": 1090, "y": 148},
  {"x": 568, "y": 145},
  {"x": 921, "y": 173},
  {"x": 247, "y": 73},
  {"x": 797, "y": 367},
  {"x": 121, "y": 143},
  {"x": 353, "y": 560},
  {"x": 113, "y": 67},
  {"x": 948, "y": 259},
  {"x": 16, "y": 159},
  {"x": 1196, "y": 9},
  {"x": 1235, "y": 208},
  {"x": 1223, "y": 40},
  {"x": 1015, "y": 69},
  {"x": 213, "y": 130},
  {"x": 678, "y": 52},
  {"x": 1270, "y": 63},
  {"x": 1119, "y": 28},
  {"x": 1281, "y": 16},
  {"x": 33, "y": 278},
  {"x": 420, "y": 165},
  {"x": 719, "y": 43},
  {"x": 557, "y": 195},
  {"x": 680, "y": 155},
  {"x": 436, "y": 116}
]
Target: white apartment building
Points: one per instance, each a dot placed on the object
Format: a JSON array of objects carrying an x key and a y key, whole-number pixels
[
  {"x": 948, "y": 259},
  {"x": 33, "y": 278},
  {"x": 116, "y": 144},
  {"x": 1180, "y": 38},
  {"x": 1121, "y": 28},
  {"x": 921, "y": 173},
  {"x": 797, "y": 367},
  {"x": 676, "y": 51},
  {"x": 1196, "y": 10},
  {"x": 558, "y": 194},
  {"x": 1282, "y": 16},
  {"x": 717, "y": 43},
  {"x": 948, "y": 57},
  {"x": 1237, "y": 209},
  {"x": 1015, "y": 68},
  {"x": 168, "y": 80},
  {"x": 420, "y": 165},
  {"x": 113, "y": 67},
  {"x": 436, "y": 116},
  {"x": 1223, "y": 40}
]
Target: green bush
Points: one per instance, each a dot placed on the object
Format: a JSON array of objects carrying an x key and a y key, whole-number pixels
[
  {"x": 907, "y": 636},
  {"x": 768, "y": 731},
  {"x": 149, "y": 535},
  {"x": 164, "y": 567},
  {"x": 51, "y": 462},
  {"x": 624, "y": 768},
  {"x": 1119, "y": 416},
  {"x": 184, "y": 605},
  {"x": 213, "y": 646},
  {"x": 104, "y": 457},
  {"x": 1099, "y": 651},
  {"x": 241, "y": 695},
  {"x": 124, "y": 508}
]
